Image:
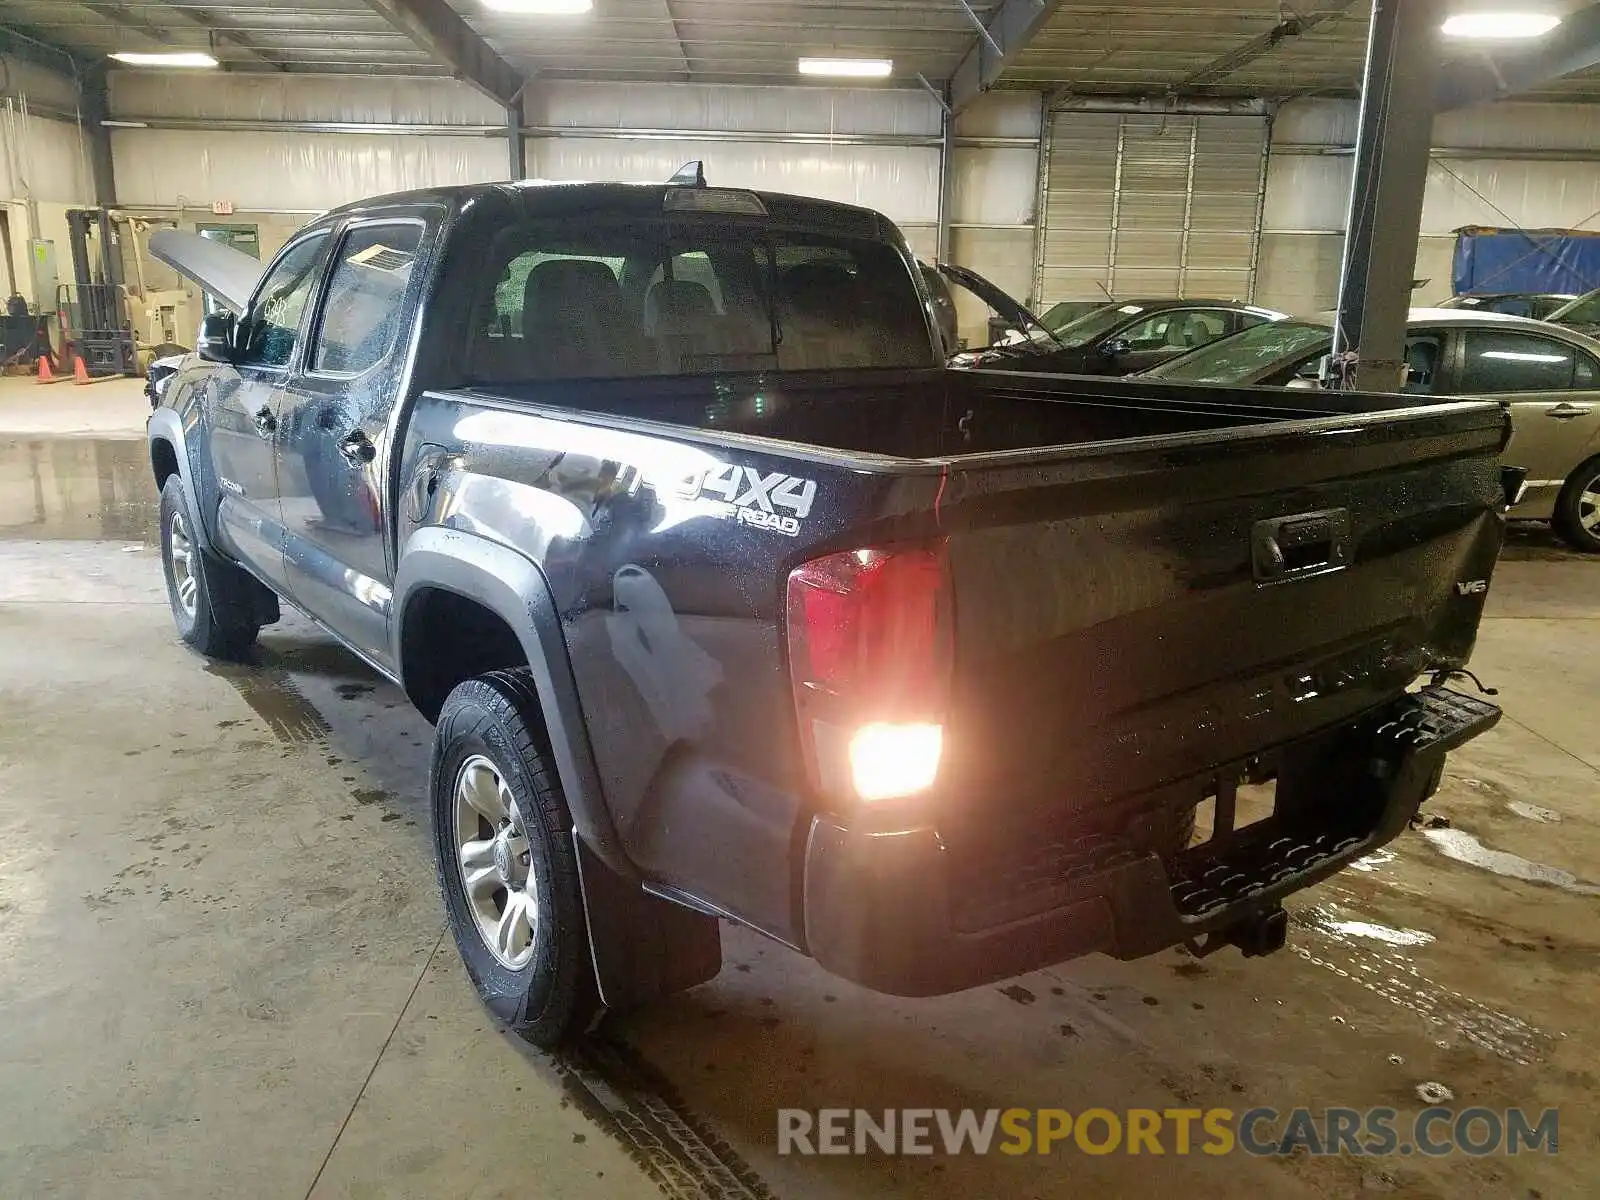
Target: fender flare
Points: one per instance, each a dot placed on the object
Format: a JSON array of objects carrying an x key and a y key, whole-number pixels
[
  {"x": 166, "y": 425},
  {"x": 514, "y": 588}
]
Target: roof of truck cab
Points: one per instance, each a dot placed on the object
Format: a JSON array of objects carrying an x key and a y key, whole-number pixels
[{"x": 540, "y": 198}]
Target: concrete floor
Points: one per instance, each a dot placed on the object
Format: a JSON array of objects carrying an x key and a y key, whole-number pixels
[
  {"x": 112, "y": 407},
  {"x": 225, "y": 971}
]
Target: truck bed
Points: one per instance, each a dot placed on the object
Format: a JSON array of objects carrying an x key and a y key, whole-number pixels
[
  {"x": 927, "y": 414},
  {"x": 1123, "y": 633}
]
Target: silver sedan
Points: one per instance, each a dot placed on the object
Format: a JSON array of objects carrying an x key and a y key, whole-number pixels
[{"x": 1549, "y": 375}]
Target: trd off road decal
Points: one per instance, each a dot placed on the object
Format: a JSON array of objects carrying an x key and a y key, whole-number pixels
[{"x": 751, "y": 497}]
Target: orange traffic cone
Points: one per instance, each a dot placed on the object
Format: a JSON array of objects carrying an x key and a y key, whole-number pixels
[
  {"x": 46, "y": 375},
  {"x": 80, "y": 372}
]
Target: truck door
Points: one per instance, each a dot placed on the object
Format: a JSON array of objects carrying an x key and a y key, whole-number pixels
[
  {"x": 333, "y": 468},
  {"x": 243, "y": 399}
]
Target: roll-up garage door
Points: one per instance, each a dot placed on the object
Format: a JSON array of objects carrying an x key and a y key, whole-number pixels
[{"x": 1152, "y": 205}]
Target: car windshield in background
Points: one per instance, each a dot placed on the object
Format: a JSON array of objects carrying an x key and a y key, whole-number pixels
[
  {"x": 1096, "y": 324},
  {"x": 1238, "y": 357},
  {"x": 1585, "y": 310},
  {"x": 1058, "y": 316},
  {"x": 685, "y": 298}
]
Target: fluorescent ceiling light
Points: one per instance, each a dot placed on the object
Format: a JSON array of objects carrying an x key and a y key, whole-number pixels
[
  {"x": 165, "y": 58},
  {"x": 855, "y": 68},
  {"x": 543, "y": 7},
  {"x": 1496, "y": 26}
]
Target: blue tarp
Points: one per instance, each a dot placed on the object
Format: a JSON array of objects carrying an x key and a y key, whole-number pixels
[{"x": 1526, "y": 260}]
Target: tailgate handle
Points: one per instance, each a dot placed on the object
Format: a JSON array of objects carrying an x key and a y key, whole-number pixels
[{"x": 1302, "y": 544}]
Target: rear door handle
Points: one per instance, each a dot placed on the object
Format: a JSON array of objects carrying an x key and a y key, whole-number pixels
[
  {"x": 266, "y": 423},
  {"x": 357, "y": 448},
  {"x": 1565, "y": 411}
]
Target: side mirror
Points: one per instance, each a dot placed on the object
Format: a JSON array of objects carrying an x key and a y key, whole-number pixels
[
  {"x": 215, "y": 341},
  {"x": 1115, "y": 347}
]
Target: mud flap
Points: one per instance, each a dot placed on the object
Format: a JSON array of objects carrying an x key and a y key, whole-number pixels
[
  {"x": 644, "y": 947},
  {"x": 244, "y": 600}
]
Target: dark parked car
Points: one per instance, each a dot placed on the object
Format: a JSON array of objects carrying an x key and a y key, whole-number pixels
[
  {"x": 730, "y": 601},
  {"x": 1065, "y": 312},
  {"x": 1548, "y": 375},
  {"x": 1113, "y": 339},
  {"x": 1538, "y": 305}
]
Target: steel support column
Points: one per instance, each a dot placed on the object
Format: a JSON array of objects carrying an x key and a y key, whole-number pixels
[
  {"x": 1391, "y": 173},
  {"x": 947, "y": 186},
  {"x": 96, "y": 103},
  {"x": 516, "y": 142}
]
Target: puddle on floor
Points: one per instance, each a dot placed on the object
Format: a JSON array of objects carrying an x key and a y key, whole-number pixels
[
  {"x": 1327, "y": 918},
  {"x": 1466, "y": 848},
  {"x": 1374, "y": 861},
  {"x": 1533, "y": 812},
  {"x": 1377, "y": 958},
  {"x": 276, "y": 699},
  {"x": 76, "y": 488}
]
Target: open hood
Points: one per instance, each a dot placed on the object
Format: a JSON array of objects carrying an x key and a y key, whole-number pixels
[
  {"x": 1003, "y": 303},
  {"x": 228, "y": 274}
]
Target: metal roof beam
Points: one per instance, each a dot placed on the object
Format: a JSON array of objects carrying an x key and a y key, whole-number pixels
[
  {"x": 125, "y": 19},
  {"x": 202, "y": 19},
  {"x": 1010, "y": 29},
  {"x": 437, "y": 28},
  {"x": 1226, "y": 64},
  {"x": 1572, "y": 46},
  {"x": 41, "y": 52}
]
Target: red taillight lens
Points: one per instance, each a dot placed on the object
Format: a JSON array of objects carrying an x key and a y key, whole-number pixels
[{"x": 870, "y": 645}]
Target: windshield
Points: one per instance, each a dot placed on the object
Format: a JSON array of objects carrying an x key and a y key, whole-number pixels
[
  {"x": 1585, "y": 310},
  {"x": 1096, "y": 324},
  {"x": 1059, "y": 316},
  {"x": 690, "y": 297},
  {"x": 1237, "y": 358}
]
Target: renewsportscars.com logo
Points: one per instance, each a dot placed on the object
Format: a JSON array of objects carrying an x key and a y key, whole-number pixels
[{"x": 1262, "y": 1132}]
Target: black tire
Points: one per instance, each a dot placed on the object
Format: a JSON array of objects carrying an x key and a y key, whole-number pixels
[
  {"x": 214, "y": 604},
  {"x": 552, "y": 996},
  {"x": 1572, "y": 510}
]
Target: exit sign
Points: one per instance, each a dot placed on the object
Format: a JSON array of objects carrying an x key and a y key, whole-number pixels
[{"x": 222, "y": 208}]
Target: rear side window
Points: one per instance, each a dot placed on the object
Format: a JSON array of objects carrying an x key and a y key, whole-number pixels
[
  {"x": 366, "y": 297},
  {"x": 1498, "y": 361}
]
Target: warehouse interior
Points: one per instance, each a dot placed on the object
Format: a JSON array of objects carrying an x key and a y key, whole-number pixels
[{"x": 226, "y": 969}]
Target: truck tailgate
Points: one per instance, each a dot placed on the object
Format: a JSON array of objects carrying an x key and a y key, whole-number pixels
[{"x": 1129, "y": 615}]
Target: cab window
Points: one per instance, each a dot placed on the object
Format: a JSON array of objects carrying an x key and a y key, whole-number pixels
[
  {"x": 366, "y": 297},
  {"x": 269, "y": 330}
]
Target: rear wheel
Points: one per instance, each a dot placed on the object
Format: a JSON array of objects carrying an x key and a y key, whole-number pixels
[
  {"x": 1577, "y": 515},
  {"x": 507, "y": 866},
  {"x": 211, "y": 604}
]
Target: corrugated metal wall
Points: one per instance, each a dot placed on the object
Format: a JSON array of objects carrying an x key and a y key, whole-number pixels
[
  {"x": 1182, "y": 218},
  {"x": 1144, "y": 204},
  {"x": 314, "y": 171},
  {"x": 1523, "y": 165},
  {"x": 44, "y": 169}
]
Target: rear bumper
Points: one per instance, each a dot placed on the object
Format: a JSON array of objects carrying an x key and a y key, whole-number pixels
[{"x": 895, "y": 912}]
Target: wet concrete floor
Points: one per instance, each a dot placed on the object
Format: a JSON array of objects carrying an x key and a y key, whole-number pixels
[{"x": 225, "y": 969}]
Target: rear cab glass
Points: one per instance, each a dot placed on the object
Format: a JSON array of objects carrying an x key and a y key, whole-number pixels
[{"x": 627, "y": 299}]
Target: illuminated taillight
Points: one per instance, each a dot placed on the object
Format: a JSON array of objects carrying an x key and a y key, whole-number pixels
[{"x": 870, "y": 655}]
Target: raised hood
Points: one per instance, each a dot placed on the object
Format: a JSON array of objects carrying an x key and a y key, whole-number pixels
[
  {"x": 228, "y": 274},
  {"x": 1002, "y": 302}
]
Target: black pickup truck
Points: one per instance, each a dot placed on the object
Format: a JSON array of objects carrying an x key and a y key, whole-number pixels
[{"x": 729, "y": 601}]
